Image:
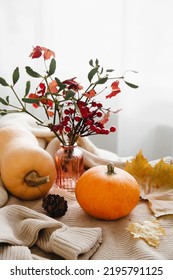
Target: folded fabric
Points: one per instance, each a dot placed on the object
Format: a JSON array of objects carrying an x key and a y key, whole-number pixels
[
  {"x": 21, "y": 228},
  {"x": 93, "y": 156}
]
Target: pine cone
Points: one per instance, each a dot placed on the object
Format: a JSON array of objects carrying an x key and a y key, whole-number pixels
[{"x": 55, "y": 205}]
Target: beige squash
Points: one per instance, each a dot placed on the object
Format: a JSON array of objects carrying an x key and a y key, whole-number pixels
[{"x": 27, "y": 171}]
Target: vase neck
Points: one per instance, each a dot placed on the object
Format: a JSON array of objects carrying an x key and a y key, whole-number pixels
[{"x": 67, "y": 145}]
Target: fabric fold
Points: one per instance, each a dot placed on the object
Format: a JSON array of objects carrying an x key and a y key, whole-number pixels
[
  {"x": 13, "y": 252},
  {"x": 24, "y": 227}
]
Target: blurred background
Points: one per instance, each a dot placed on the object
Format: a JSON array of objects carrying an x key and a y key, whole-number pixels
[{"x": 123, "y": 35}]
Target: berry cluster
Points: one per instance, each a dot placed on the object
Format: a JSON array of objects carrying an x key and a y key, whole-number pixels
[{"x": 87, "y": 119}]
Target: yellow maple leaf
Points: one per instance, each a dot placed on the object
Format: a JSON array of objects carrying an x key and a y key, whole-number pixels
[
  {"x": 150, "y": 231},
  {"x": 156, "y": 183},
  {"x": 139, "y": 167}
]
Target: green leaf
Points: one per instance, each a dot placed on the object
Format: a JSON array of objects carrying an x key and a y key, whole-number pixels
[
  {"x": 3, "y": 112},
  {"x": 7, "y": 99},
  {"x": 31, "y": 100},
  {"x": 52, "y": 67},
  {"x": 91, "y": 63},
  {"x": 110, "y": 70},
  {"x": 60, "y": 84},
  {"x": 3, "y": 101},
  {"x": 97, "y": 62},
  {"x": 102, "y": 80},
  {"x": 32, "y": 73},
  {"x": 69, "y": 94},
  {"x": 27, "y": 88},
  {"x": 3, "y": 82},
  {"x": 92, "y": 73},
  {"x": 101, "y": 71},
  {"x": 134, "y": 71},
  {"x": 131, "y": 85},
  {"x": 15, "y": 76}
]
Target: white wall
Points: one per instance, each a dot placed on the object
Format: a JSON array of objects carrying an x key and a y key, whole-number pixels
[
  {"x": 147, "y": 119},
  {"x": 122, "y": 34}
]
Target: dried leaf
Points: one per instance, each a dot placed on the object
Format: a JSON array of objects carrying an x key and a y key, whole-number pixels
[
  {"x": 156, "y": 183},
  {"x": 47, "y": 53},
  {"x": 139, "y": 168},
  {"x": 90, "y": 93},
  {"x": 105, "y": 119},
  {"x": 53, "y": 87},
  {"x": 115, "y": 89},
  {"x": 149, "y": 231}
]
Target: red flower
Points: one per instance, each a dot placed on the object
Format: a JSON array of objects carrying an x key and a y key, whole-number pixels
[
  {"x": 53, "y": 87},
  {"x": 90, "y": 93},
  {"x": 47, "y": 102},
  {"x": 39, "y": 94},
  {"x": 42, "y": 90},
  {"x": 47, "y": 53},
  {"x": 39, "y": 51},
  {"x": 71, "y": 84},
  {"x": 33, "y": 95},
  {"x": 115, "y": 89},
  {"x": 36, "y": 52}
]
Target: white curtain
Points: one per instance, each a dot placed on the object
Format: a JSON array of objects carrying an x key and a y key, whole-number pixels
[{"x": 122, "y": 34}]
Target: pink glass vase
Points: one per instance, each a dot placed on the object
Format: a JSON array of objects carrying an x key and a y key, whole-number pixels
[{"x": 69, "y": 165}]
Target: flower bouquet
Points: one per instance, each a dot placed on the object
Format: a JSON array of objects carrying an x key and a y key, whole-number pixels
[{"x": 69, "y": 110}]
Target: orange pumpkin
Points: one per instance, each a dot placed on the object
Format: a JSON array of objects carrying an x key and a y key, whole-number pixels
[{"x": 107, "y": 192}]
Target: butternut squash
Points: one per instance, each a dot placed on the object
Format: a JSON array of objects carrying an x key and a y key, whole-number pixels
[
  {"x": 3, "y": 195},
  {"x": 27, "y": 171}
]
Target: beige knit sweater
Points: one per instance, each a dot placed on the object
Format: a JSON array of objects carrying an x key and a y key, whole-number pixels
[{"x": 22, "y": 227}]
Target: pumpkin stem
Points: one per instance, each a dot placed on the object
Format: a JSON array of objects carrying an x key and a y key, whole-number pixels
[
  {"x": 33, "y": 179},
  {"x": 110, "y": 168}
]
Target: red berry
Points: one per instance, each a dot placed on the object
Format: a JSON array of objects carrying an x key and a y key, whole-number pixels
[
  {"x": 113, "y": 129},
  {"x": 77, "y": 118},
  {"x": 99, "y": 105},
  {"x": 93, "y": 127},
  {"x": 66, "y": 118},
  {"x": 102, "y": 131},
  {"x": 94, "y": 104},
  {"x": 67, "y": 129},
  {"x": 66, "y": 112},
  {"x": 98, "y": 130},
  {"x": 89, "y": 122},
  {"x": 106, "y": 131},
  {"x": 99, "y": 114},
  {"x": 71, "y": 111}
]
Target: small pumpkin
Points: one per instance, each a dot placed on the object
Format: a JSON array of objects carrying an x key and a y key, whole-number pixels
[
  {"x": 107, "y": 192},
  {"x": 27, "y": 171}
]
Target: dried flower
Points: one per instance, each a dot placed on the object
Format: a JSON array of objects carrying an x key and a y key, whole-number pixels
[{"x": 70, "y": 110}]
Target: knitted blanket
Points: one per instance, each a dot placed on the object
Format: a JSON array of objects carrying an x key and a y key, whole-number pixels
[{"x": 26, "y": 232}]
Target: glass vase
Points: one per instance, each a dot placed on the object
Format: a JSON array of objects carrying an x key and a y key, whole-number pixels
[{"x": 69, "y": 165}]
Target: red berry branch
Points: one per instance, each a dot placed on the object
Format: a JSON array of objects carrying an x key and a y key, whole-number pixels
[{"x": 70, "y": 111}]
